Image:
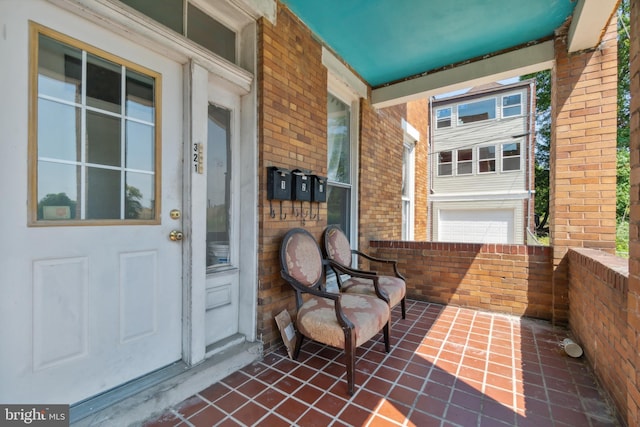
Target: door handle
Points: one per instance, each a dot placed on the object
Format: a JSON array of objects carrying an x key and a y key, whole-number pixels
[{"x": 176, "y": 235}]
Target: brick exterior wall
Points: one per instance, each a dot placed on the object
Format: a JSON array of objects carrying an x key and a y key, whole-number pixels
[
  {"x": 380, "y": 183},
  {"x": 598, "y": 289},
  {"x": 418, "y": 117},
  {"x": 292, "y": 121},
  {"x": 633, "y": 297},
  {"x": 513, "y": 279},
  {"x": 583, "y": 155}
]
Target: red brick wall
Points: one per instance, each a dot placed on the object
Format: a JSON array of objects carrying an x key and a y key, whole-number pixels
[
  {"x": 583, "y": 155},
  {"x": 292, "y": 123},
  {"x": 381, "y": 145},
  {"x": 514, "y": 279},
  {"x": 633, "y": 297},
  {"x": 598, "y": 289},
  {"x": 418, "y": 117}
]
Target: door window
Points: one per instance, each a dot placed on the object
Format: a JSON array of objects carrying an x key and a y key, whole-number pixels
[
  {"x": 96, "y": 136},
  {"x": 218, "y": 186}
]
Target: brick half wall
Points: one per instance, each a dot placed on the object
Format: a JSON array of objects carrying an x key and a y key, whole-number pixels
[
  {"x": 513, "y": 279},
  {"x": 598, "y": 290}
]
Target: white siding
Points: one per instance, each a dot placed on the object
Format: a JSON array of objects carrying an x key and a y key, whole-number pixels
[{"x": 473, "y": 135}]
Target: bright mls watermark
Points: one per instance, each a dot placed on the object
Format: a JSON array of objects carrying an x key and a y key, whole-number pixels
[{"x": 34, "y": 415}]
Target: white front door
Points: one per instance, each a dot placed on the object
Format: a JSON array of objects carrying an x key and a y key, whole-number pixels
[
  {"x": 91, "y": 285},
  {"x": 222, "y": 234}
]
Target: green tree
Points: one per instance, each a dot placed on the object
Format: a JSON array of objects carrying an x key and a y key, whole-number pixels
[
  {"x": 543, "y": 143},
  {"x": 132, "y": 205}
]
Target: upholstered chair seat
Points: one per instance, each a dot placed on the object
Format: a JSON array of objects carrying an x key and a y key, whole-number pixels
[{"x": 317, "y": 318}]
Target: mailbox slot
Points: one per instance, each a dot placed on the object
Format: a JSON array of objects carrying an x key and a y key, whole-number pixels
[
  {"x": 319, "y": 188},
  {"x": 301, "y": 185},
  {"x": 278, "y": 183}
]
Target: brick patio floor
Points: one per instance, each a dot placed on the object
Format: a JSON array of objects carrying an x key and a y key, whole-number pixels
[{"x": 448, "y": 366}]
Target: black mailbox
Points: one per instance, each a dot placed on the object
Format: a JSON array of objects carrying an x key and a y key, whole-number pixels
[
  {"x": 319, "y": 188},
  {"x": 278, "y": 183},
  {"x": 301, "y": 185}
]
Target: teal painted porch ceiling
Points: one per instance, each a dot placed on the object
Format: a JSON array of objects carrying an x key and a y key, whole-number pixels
[{"x": 390, "y": 40}]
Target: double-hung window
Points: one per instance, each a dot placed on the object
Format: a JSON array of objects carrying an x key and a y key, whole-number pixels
[
  {"x": 445, "y": 163},
  {"x": 339, "y": 136},
  {"x": 511, "y": 156},
  {"x": 443, "y": 118},
  {"x": 487, "y": 159},
  {"x": 512, "y": 105},
  {"x": 408, "y": 192},
  {"x": 464, "y": 161}
]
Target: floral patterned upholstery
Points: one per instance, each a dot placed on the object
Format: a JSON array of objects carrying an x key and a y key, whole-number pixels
[
  {"x": 317, "y": 318},
  {"x": 303, "y": 259},
  {"x": 341, "y": 320},
  {"x": 339, "y": 250}
]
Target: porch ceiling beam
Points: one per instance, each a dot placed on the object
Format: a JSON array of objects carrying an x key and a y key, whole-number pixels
[
  {"x": 515, "y": 63},
  {"x": 589, "y": 22}
]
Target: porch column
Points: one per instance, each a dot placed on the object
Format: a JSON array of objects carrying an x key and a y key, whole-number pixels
[
  {"x": 582, "y": 198},
  {"x": 633, "y": 297}
]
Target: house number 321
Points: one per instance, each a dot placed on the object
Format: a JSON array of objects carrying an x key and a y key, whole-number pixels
[{"x": 198, "y": 158}]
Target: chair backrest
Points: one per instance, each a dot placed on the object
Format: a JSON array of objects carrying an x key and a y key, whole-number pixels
[
  {"x": 301, "y": 258},
  {"x": 337, "y": 245}
]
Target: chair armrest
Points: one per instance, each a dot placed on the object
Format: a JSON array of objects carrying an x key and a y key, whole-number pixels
[
  {"x": 361, "y": 274},
  {"x": 380, "y": 260},
  {"x": 350, "y": 271}
]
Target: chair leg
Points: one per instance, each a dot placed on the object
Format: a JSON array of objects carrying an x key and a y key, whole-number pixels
[
  {"x": 299, "y": 339},
  {"x": 350, "y": 356},
  {"x": 404, "y": 308},
  {"x": 387, "y": 333}
]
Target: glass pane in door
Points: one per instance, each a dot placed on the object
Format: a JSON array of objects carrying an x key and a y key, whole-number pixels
[
  {"x": 218, "y": 186},
  {"x": 96, "y": 154}
]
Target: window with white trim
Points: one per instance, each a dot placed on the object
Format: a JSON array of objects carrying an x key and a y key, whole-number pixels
[
  {"x": 445, "y": 163},
  {"x": 408, "y": 189},
  {"x": 339, "y": 135},
  {"x": 511, "y": 155},
  {"x": 464, "y": 161},
  {"x": 512, "y": 105},
  {"x": 487, "y": 159},
  {"x": 443, "y": 118},
  {"x": 476, "y": 111}
]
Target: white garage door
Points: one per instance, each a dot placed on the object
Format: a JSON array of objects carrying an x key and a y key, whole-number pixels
[{"x": 476, "y": 226}]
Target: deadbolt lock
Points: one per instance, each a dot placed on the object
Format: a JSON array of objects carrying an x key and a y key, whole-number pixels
[
  {"x": 175, "y": 235},
  {"x": 175, "y": 214}
]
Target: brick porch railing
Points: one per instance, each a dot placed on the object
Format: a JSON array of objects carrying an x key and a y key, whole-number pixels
[{"x": 516, "y": 279}]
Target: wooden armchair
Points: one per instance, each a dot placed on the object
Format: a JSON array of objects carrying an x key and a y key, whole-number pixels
[
  {"x": 338, "y": 250},
  {"x": 344, "y": 321}
]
